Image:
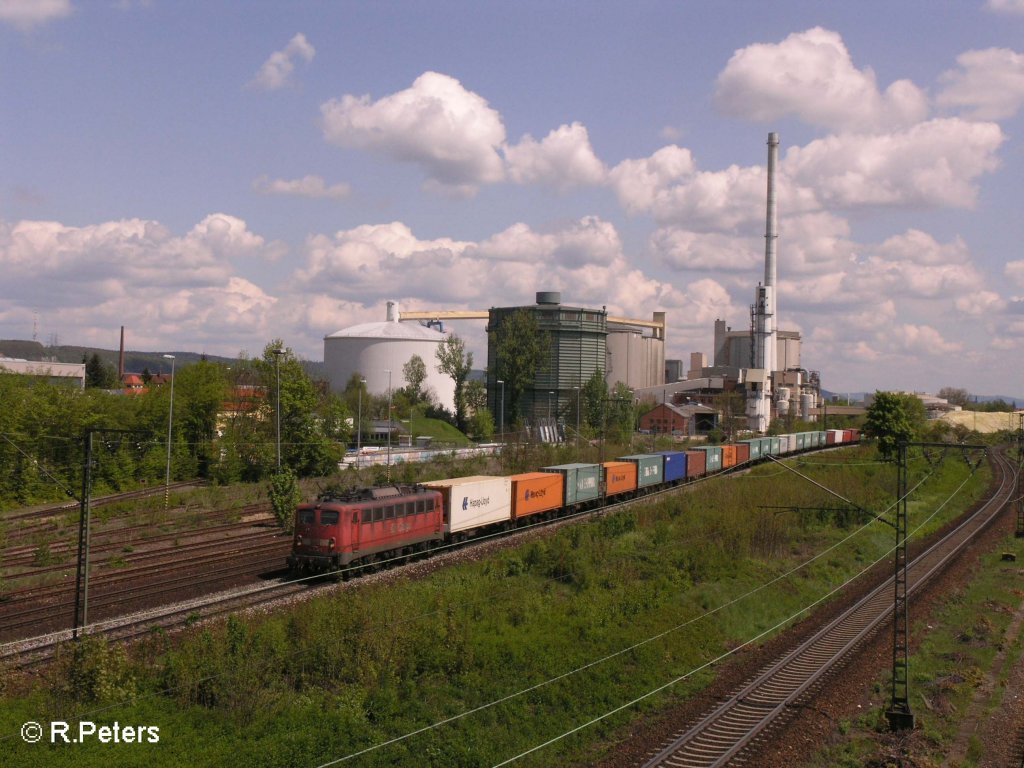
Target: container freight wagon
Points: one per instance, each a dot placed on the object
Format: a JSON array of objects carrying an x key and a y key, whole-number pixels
[
  {"x": 753, "y": 449},
  {"x": 776, "y": 446},
  {"x": 474, "y": 502},
  {"x": 675, "y": 466},
  {"x": 696, "y": 464},
  {"x": 728, "y": 456},
  {"x": 582, "y": 482},
  {"x": 714, "y": 457},
  {"x": 833, "y": 436},
  {"x": 534, "y": 493},
  {"x": 619, "y": 477},
  {"x": 742, "y": 453},
  {"x": 648, "y": 468}
]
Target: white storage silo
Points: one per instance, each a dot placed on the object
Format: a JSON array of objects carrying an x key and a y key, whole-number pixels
[{"x": 372, "y": 349}]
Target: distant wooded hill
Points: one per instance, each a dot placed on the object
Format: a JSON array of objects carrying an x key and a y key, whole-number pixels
[{"x": 134, "y": 362}]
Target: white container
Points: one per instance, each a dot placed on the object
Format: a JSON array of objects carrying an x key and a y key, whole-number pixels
[{"x": 474, "y": 502}]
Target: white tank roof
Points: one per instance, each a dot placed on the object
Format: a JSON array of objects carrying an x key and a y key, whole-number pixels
[
  {"x": 386, "y": 330},
  {"x": 389, "y": 329}
]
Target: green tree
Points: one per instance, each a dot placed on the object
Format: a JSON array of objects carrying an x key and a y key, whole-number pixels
[
  {"x": 415, "y": 373},
  {"x": 955, "y": 395},
  {"x": 893, "y": 418},
  {"x": 311, "y": 418},
  {"x": 284, "y": 497},
  {"x": 522, "y": 351},
  {"x": 454, "y": 361},
  {"x": 98, "y": 374},
  {"x": 200, "y": 393},
  {"x": 481, "y": 424},
  {"x": 594, "y": 393}
]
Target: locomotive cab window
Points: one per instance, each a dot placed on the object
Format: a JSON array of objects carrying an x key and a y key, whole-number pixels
[
  {"x": 328, "y": 517},
  {"x": 306, "y": 516},
  {"x": 389, "y": 513}
]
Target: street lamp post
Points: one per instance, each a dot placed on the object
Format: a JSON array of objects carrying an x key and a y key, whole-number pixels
[
  {"x": 277, "y": 367},
  {"x": 501, "y": 421},
  {"x": 170, "y": 423},
  {"x": 359, "y": 422}
]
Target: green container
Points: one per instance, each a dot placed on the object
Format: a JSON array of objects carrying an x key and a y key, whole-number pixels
[
  {"x": 582, "y": 481},
  {"x": 755, "y": 448},
  {"x": 649, "y": 469}
]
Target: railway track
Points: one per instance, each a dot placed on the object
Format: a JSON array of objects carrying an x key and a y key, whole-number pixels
[
  {"x": 723, "y": 735},
  {"x": 57, "y": 509}
]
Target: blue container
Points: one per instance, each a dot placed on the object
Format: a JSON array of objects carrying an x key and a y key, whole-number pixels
[{"x": 675, "y": 465}]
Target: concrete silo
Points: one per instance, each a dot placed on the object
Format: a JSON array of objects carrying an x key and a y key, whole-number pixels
[{"x": 372, "y": 349}]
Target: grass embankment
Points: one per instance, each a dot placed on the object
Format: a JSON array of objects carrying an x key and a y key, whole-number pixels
[
  {"x": 631, "y": 600},
  {"x": 969, "y": 649}
]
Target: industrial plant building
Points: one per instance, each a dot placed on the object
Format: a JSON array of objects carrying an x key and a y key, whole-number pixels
[{"x": 378, "y": 351}]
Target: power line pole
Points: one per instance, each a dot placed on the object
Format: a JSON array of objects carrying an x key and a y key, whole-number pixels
[
  {"x": 82, "y": 571},
  {"x": 1020, "y": 464},
  {"x": 899, "y": 715}
]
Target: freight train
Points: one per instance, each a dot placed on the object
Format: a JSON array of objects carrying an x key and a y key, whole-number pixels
[{"x": 362, "y": 528}]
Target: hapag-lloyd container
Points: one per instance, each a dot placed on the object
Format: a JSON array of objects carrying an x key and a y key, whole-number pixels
[
  {"x": 582, "y": 481},
  {"x": 475, "y": 501},
  {"x": 536, "y": 492}
]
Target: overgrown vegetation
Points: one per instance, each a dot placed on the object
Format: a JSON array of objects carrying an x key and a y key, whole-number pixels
[
  {"x": 643, "y": 590},
  {"x": 948, "y": 682}
]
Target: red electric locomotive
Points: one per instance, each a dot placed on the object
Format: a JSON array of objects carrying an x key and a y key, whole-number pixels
[{"x": 366, "y": 526}]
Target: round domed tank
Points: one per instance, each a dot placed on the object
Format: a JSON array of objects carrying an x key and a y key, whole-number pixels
[{"x": 373, "y": 349}]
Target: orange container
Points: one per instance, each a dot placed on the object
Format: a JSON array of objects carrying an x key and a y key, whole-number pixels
[
  {"x": 536, "y": 492},
  {"x": 728, "y": 456},
  {"x": 742, "y": 453},
  {"x": 619, "y": 477}
]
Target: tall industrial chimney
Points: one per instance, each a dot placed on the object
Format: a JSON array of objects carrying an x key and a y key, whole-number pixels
[
  {"x": 120, "y": 359},
  {"x": 759, "y": 381}
]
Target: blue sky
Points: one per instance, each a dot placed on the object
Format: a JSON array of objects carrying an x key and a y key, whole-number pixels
[{"x": 215, "y": 175}]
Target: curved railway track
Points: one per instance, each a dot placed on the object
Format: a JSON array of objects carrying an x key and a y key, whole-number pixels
[{"x": 725, "y": 733}]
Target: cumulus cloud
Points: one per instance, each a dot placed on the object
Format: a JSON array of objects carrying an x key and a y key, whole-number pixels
[
  {"x": 639, "y": 183},
  {"x": 989, "y": 84},
  {"x": 1012, "y": 7},
  {"x": 277, "y": 70},
  {"x": 935, "y": 163},
  {"x": 308, "y": 186},
  {"x": 26, "y": 14},
  {"x": 682, "y": 249},
  {"x": 583, "y": 259},
  {"x": 436, "y": 123},
  {"x": 811, "y": 75},
  {"x": 137, "y": 272},
  {"x": 563, "y": 159},
  {"x": 1015, "y": 271}
]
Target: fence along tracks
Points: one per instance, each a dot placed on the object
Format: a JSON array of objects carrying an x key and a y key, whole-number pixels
[{"x": 723, "y": 734}]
